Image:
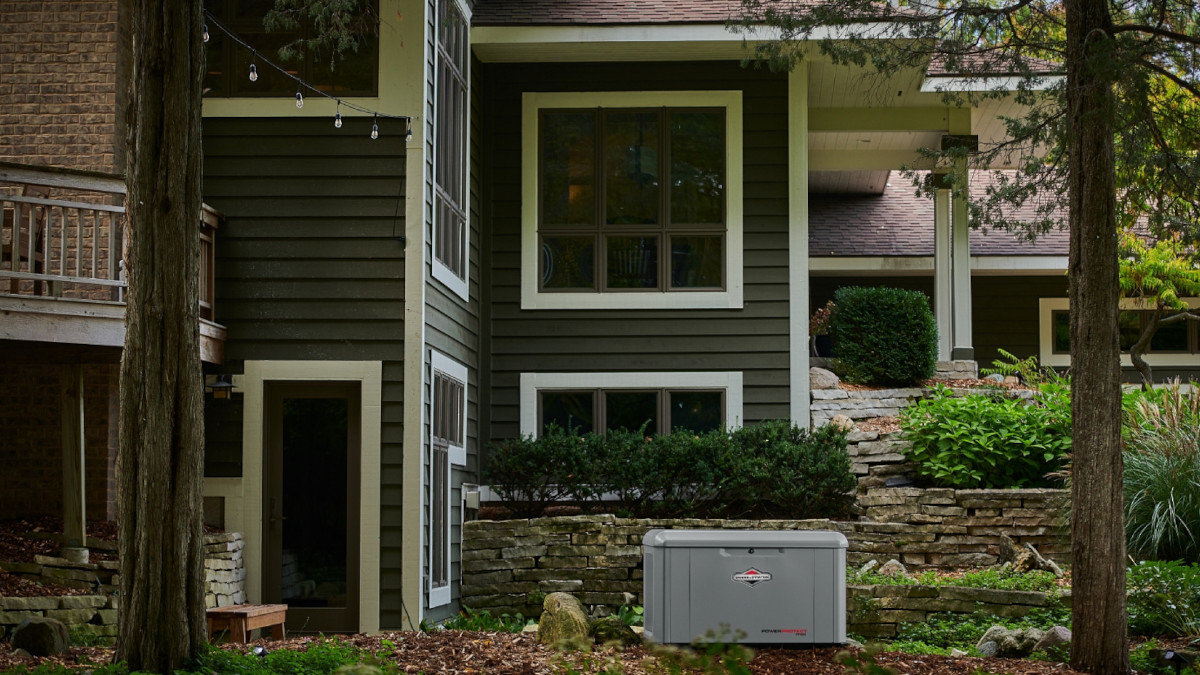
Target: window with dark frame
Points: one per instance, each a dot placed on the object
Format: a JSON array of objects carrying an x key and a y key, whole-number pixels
[
  {"x": 1178, "y": 338},
  {"x": 450, "y": 140},
  {"x": 659, "y": 410},
  {"x": 448, "y": 411},
  {"x": 227, "y": 65},
  {"x": 631, "y": 199}
]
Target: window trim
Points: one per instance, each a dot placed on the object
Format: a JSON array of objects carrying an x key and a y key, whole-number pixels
[
  {"x": 531, "y": 383},
  {"x": 532, "y": 297},
  {"x": 1048, "y": 357},
  {"x": 460, "y": 286},
  {"x": 440, "y": 363}
]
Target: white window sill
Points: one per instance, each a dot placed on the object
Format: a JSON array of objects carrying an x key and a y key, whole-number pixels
[
  {"x": 460, "y": 286},
  {"x": 731, "y": 299}
]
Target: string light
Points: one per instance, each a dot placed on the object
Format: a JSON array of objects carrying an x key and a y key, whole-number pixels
[
  {"x": 302, "y": 85},
  {"x": 204, "y": 32}
]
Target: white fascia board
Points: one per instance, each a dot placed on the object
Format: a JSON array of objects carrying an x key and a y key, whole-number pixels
[
  {"x": 1013, "y": 265},
  {"x": 706, "y": 32},
  {"x": 945, "y": 83}
]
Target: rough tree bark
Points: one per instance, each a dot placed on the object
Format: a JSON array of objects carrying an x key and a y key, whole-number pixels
[
  {"x": 159, "y": 464},
  {"x": 1097, "y": 522}
]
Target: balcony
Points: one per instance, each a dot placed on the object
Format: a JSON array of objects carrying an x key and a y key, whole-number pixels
[{"x": 61, "y": 270}]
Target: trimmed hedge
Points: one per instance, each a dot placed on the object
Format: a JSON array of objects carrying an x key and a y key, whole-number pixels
[
  {"x": 770, "y": 470},
  {"x": 884, "y": 336}
]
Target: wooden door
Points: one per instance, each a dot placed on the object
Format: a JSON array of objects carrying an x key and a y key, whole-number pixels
[{"x": 311, "y": 503}]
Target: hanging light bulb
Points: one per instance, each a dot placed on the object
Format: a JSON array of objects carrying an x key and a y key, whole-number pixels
[
  {"x": 204, "y": 32},
  {"x": 299, "y": 99},
  {"x": 253, "y": 73},
  {"x": 375, "y": 128},
  {"x": 408, "y": 133}
]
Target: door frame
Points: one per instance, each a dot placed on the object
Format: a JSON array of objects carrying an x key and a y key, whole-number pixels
[
  {"x": 314, "y": 619},
  {"x": 243, "y": 496}
]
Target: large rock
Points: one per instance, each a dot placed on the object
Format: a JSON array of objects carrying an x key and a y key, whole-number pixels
[
  {"x": 892, "y": 568},
  {"x": 41, "y": 636},
  {"x": 819, "y": 378},
  {"x": 1056, "y": 642},
  {"x": 610, "y": 630},
  {"x": 1009, "y": 642},
  {"x": 563, "y": 621},
  {"x": 842, "y": 422}
]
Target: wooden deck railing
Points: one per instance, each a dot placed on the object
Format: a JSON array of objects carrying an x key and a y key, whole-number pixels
[{"x": 61, "y": 236}]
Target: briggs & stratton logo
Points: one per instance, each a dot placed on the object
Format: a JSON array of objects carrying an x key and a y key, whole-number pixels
[{"x": 752, "y": 577}]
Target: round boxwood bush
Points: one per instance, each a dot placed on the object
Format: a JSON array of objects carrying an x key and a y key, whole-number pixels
[{"x": 883, "y": 336}]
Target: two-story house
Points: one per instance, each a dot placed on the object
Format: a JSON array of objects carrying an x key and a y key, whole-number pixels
[{"x": 601, "y": 216}]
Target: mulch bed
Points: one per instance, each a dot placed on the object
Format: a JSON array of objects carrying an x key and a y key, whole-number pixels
[
  {"x": 13, "y": 586},
  {"x": 519, "y": 654},
  {"x": 16, "y": 544},
  {"x": 884, "y": 425}
]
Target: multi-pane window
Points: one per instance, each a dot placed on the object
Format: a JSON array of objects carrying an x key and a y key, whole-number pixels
[
  {"x": 652, "y": 410},
  {"x": 227, "y": 65},
  {"x": 448, "y": 410},
  {"x": 631, "y": 199},
  {"x": 450, "y": 141},
  {"x": 1181, "y": 337}
]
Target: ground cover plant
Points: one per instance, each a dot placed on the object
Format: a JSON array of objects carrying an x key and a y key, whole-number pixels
[
  {"x": 884, "y": 336},
  {"x": 991, "y": 577},
  {"x": 1164, "y": 598},
  {"x": 770, "y": 469}
]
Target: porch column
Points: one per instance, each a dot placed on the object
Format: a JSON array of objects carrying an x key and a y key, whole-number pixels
[
  {"x": 74, "y": 515},
  {"x": 798, "y": 278},
  {"x": 943, "y": 287},
  {"x": 963, "y": 348}
]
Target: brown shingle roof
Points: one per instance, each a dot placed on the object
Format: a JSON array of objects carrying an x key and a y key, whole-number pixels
[
  {"x": 899, "y": 223},
  {"x": 610, "y": 12}
]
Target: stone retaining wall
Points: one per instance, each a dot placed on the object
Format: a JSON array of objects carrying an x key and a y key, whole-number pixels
[
  {"x": 509, "y": 565},
  {"x": 877, "y": 611},
  {"x": 224, "y": 575},
  {"x": 861, "y": 404}
]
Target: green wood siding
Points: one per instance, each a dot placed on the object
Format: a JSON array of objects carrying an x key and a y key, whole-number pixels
[
  {"x": 310, "y": 266},
  {"x": 753, "y": 339}
]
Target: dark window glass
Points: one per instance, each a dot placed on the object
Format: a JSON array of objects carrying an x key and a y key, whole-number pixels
[
  {"x": 696, "y": 261},
  {"x": 569, "y": 410},
  {"x": 695, "y": 410},
  {"x": 1170, "y": 338},
  {"x": 632, "y": 262},
  {"x": 631, "y": 149},
  {"x": 1062, "y": 332},
  {"x": 567, "y": 262},
  {"x": 632, "y": 409},
  {"x": 568, "y": 173},
  {"x": 697, "y": 167},
  {"x": 1130, "y": 324}
]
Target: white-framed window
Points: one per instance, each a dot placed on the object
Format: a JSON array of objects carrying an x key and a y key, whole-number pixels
[
  {"x": 1177, "y": 345},
  {"x": 451, "y": 223},
  {"x": 447, "y": 448},
  {"x": 661, "y": 401},
  {"x": 631, "y": 200}
]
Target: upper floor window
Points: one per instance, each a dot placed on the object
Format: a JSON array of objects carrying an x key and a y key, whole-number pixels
[
  {"x": 355, "y": 72},
  {"x": 450, "y": 237},
  {"x": 632, "y": 200}
]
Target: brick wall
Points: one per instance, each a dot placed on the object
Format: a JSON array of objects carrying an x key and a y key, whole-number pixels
[
  {"x": 60, "y": 88},
  {"x": 31, "y": 444}
]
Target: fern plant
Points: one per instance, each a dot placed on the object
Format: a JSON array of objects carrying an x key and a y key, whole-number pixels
[{"x": 1029, "y": 370}]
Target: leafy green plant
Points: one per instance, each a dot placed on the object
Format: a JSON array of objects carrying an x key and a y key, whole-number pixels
[
  {"x": 962, "y": 631},
  {"x": 632, "y": 615},
  {"x": 1031, "y": 372},
  {"x": 715, "y": 653},
  {"x": 1004, "y": 580},
  {"x": 482, "y": 620},
  {"x": 989, "y": 441},
  {"x": 1164, "y": 598},
  {"x": 1162, "y": 476},
  {"x": 884, "y": 336}
]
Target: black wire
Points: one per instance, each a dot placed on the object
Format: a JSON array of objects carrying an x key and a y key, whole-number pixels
[{"x": 300, "y": 83}]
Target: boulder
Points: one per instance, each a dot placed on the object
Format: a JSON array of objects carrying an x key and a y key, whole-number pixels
[
  {"x": 611, "y": 630},
  {"x": 819, "y": 378},
  {"x": 1026, "y": 559},
  {"x": 995, "y": 377},
  {"x": 868, "y": 566},
  {"x": 893, "y": 568},
  {"x": 1012, "y": 380},
  {"x": 1009, "y": 642},
  {"x": 1056, "y": 642},
  {"x": 41, "y": 636},
  {"x": 842, "y": 422},
  {"x": 563, "y": 621},
  {"x": 957, "y": 653}
]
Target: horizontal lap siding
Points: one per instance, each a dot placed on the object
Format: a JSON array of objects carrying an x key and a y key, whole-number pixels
[
  {"x": 753, "y": 340},
  {"x": 310, "y": 266}
]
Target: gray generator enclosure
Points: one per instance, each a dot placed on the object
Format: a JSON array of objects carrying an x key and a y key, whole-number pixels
[{"x": 776, "y": 587}]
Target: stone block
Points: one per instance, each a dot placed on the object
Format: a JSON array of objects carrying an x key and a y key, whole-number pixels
[
  {"x": 493, "y": 589},
  {"x": 498, "y": 577},
  {"x": 560, "y": 585},
  {"x": 71, "y": 616},
  {"x": 526, "y": 551},
  {"x": 82, "y": 601},
  {"x": 481, "y": 554},
  {"x": 27, "y": 604},
  {"x": 472, "y": 566},
  {"x": 12, "y": 618},
  {"x": 829, "y": 394},
  {"x": 473, "y": 543},
  {"x": 858, "y": 436},
  {"x": 562, "y": 562}
]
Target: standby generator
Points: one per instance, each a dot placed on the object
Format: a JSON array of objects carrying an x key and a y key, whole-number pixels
[{"x": 777, "y": 587}]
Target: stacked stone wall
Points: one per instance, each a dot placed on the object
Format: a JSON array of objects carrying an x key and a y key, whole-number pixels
[
  {"x": 509, "y": 565},
  {"x": 878, "y": 611}
]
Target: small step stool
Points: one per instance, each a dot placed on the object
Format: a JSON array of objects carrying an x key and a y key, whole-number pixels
[{"x": 239, "y": 620}]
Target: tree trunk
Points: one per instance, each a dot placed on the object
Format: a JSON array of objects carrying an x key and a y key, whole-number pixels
[
  {"x": 1097, "y": 521},
  {"x": 161, "y": 623}
]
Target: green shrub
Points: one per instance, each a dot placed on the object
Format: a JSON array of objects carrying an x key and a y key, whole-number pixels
[
  {"x": 980, "y": 441},
  {"x": 1164, "y": 598},
  {"x": 1162, "y": 476},
  {"x": 773, "y": 469},
  {"x": 883, "y": 335},
  {"x": 948, "y": 630},
  {"x": 482, "y": 620}
]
